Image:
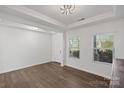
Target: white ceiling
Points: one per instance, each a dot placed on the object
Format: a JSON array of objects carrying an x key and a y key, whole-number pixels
[
  {"x": 81, "y": 11},
  {"x": 49, "y": 17}
]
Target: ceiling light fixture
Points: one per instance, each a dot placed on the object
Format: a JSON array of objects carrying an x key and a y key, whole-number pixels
[
  {"x": 34, "y": 28},
  {"x": 67, "y": 9}
]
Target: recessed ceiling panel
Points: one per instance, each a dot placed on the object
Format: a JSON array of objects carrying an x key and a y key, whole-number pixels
[{"x": 81, "y": 11}]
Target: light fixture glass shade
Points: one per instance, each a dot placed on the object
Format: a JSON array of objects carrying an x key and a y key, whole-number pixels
[{"x": 67, "y": 9}]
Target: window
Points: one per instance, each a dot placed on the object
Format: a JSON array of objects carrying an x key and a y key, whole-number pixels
[
  {"x": 74, "y": 50},
  {"x": 103, "y": 48}
]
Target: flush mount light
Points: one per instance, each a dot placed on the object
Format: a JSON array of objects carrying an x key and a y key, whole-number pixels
[
  {"x": 67, "y": 9},
  {"x": 32, "y": 28},
  {"x": 39, "y": 29}
]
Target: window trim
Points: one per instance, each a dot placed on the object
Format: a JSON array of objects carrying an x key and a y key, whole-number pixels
[
  {"x": 76, "y": 47},
  {"x": 113, "y": 49}
]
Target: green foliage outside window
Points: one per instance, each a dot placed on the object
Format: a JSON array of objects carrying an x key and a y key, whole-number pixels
[
  {"x": 103, "y": 48},
  {"x": 74, "y": 47}
]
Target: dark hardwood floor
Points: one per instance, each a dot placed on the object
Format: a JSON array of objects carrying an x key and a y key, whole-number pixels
[{"x": 51, "y": 75}]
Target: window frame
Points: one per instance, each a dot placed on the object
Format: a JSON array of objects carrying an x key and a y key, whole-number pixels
[
  {"x": 71, "y": 47},
  {"x": 94, "y": 48}
]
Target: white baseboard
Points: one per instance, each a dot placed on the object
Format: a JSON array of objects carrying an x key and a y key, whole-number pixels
[
  {"x": 22, "y": 67},
  {"x": 106, "y": 77}
]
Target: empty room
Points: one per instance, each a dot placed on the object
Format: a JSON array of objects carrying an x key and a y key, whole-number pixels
[{"x": 61, "y": 46}]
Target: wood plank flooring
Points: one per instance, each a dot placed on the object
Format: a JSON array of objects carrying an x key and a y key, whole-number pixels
[{"x": 51, "y": 75}]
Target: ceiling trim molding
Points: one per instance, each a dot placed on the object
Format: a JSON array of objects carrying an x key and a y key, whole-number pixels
[
  {"x": 25, "y": 27},
  {"x": 35, "y": 14},
  {"x": 93, "y": 19}
]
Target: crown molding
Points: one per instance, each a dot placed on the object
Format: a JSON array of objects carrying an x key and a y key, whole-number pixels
[
  {"x": 94, "y": 19},
  {"x": 115, "y": 13},
  {"x": 35, "y": 14},
  {"x": 26, "y": 27}
]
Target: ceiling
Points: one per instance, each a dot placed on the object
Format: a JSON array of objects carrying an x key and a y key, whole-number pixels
[
  {"x": 49, "y": 17},
  {"x": 81, "y": 11}
]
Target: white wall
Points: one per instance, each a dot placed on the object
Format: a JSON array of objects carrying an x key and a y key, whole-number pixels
[
  {"x": 86, "y": 47},
  {"x": 57, "y": 47},
  {"x": 21, "y": 48},
  {"x": 119, "y": 42}
]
